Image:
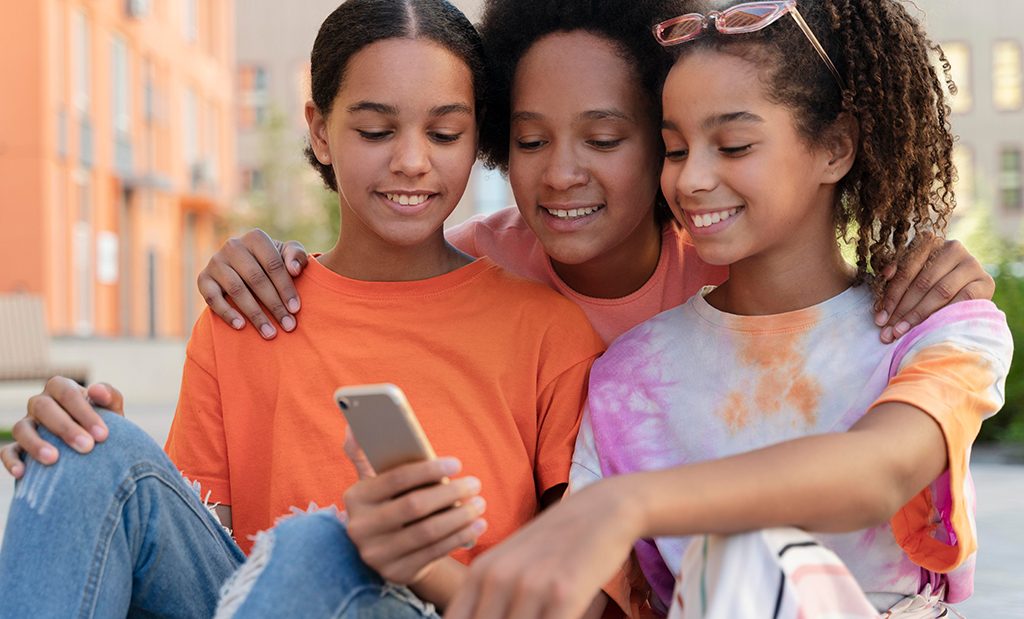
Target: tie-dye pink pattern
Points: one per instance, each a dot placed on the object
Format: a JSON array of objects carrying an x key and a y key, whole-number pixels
[{"x": 684, "y": 388}]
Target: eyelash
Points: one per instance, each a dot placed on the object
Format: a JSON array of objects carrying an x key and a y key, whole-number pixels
[
  {"x": 440, "y": 138},
  {"x": 736, "y": 150},
  {"x": 598, "y": 144}
]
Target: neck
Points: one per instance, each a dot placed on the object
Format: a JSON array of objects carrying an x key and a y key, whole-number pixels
[
  {"x": 368, "y": 258},
  {"x": 620, "y": 271},
  {"x": 809, "y": 273}
]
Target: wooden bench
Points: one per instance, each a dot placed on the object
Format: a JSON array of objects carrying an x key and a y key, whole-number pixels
[{"x": 25, "y": 343}]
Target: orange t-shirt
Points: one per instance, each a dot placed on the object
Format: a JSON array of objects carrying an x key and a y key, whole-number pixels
[{"x": 495, "y": 368}]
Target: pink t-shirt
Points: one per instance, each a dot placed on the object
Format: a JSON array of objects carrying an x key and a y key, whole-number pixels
[{"x": 505, "y": 238}]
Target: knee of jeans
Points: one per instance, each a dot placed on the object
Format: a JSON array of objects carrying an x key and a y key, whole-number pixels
[
  {"x": 321, "y": 529},
  {"x": 125, "y": 443}
]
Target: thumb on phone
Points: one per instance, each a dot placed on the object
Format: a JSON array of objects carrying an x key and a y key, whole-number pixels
[{"x": 356, "y": 455}]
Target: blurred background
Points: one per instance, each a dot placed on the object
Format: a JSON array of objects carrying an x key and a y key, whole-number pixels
[{"x": 136, "y": 135}]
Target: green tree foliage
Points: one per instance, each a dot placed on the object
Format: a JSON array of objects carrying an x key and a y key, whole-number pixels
[
  {"x": 1005, "y": 261},
  {"x": 289, "y": 201}
]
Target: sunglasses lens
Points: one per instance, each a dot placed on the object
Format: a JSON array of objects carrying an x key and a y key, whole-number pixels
[
  {"x": 682, "y": 30},
  {"x": 746, "y": 18}
]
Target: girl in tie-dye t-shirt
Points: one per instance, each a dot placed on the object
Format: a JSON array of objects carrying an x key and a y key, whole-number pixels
[{"x": 767, "y": 402}]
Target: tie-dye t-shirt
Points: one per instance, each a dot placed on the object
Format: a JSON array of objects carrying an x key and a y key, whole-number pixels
[{"x": 694, "y": 384}]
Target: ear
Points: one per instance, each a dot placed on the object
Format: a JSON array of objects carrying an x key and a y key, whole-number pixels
[
  {"x": 841, "y": 146},
  {"x": 318, "y": 133}
]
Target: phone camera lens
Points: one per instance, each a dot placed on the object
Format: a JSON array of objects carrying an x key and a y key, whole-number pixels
[{"x": 343, "y": 403}]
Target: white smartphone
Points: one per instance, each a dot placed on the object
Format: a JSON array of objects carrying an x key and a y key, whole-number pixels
[{"x": 384, "y": 425}]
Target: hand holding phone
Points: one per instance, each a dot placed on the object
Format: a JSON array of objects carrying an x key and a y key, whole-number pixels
[
  {"x": 384, "y": 425},
  {"x": 402, "y": 539}
]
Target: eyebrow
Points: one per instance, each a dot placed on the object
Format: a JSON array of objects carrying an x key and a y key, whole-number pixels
[
  {"x": 390, "y": 110},
  {"x": 608, "y": 114},
  {"x": 717, "y": 121}
]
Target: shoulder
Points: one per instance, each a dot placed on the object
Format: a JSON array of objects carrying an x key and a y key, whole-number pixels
[
  {"x": 517, "y": 291},
  {"x": 649, "y": 340},
  {"x": 978, "y": 326},
  {"x": 506, "y": 225}
]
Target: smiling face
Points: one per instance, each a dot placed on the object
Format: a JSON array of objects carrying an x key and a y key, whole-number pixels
[
  {"x": 738, "y": 174},
  {"x": 401, "y": 138},
  {"x": 584, "y": 149}
]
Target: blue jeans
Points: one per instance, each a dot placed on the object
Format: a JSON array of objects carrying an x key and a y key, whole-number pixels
[
  {"x": 113, "y": 533},
  {"x": 283, "y": 578},
  {"x": 119, "y": 533}
]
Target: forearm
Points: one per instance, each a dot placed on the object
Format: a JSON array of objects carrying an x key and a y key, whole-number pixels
[
  {"x": 441, "y": 582},
  {"x": 831, "y": 482}
]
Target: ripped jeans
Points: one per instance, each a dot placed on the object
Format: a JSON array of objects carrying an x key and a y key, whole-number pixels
[{"x": 119, "y": 533}]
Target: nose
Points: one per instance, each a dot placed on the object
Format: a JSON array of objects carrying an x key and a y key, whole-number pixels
[
  {"x": 563, "y": 169},
  {"x": 696, "y": 174},
  {"x": 411, "y": 156}
]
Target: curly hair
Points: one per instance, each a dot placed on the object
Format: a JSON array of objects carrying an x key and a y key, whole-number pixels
[
  {"x": 358, "y": 23},
  {"x": 900, "y": 187},
  {"x": 510, "y": 27}
]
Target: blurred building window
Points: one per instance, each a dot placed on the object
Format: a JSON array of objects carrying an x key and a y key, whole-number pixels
[
  {"x": 82, "y": 56},
  {"x": 148, "y": 92},
  {"x": 254, "y": 96},
  {"x": 191, "y": 20},
  {"x": 959, "y": 56},
  {"x": 136, "y": 8},
  {"x": 1010, "y": 173},
  {"x": 81, "y": 46},
  {"x": 1007, "y": 76},
  {"x": 190, "y": 126},
  {"x": 963, "y": 159},
  {"x": 121, "y": 105},
  {"x": 212, "y": 143}
]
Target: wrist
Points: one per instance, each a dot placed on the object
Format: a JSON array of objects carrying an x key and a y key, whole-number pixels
[{"x": 629, "y": 494}]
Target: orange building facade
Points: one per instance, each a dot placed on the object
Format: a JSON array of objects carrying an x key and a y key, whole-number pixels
[{"x": 117, "y": 158}]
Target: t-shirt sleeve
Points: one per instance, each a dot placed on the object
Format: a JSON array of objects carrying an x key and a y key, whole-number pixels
[
  {"x": 570, "y": 346},
  {"x": 463, "y": 235},
  {"x": 196, "y": 442},
  {"x": 585, "y": 467},
  {"x": 955, "y": 372}
]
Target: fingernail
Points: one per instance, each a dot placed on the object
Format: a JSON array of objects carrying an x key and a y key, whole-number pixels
[
  {"x": 98, "y": 432},
  {"x": 295, "y": 269},
  {"x": 472, "y": 484},
  {"x": 267, "y": 331},
  {"x": 887, "y": 335},
  {"x": 450, "y": 466},
  {"x": 293, "y": 303},
  {"x": 479, "y": 504},
  {"x": 288, "y": 323},
  {"x": 82, "y": 443},
  {"x": 47, "y": 454},
  {"x": 479, "y": 526},
  {"x": 17, "y": 470},
  {"x": 902, "y": 327},
  {"x": 881, "y": 318},
  {"x": 237, "y": 323}
]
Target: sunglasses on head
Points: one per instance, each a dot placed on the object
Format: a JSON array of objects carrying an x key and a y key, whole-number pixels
[{"x": 739, "y": 19}]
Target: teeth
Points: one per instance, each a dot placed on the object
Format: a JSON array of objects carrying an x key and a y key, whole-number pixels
[
  {"x": 574, "y": 213},
  {"x": 703, "y": 220},
  {"x": 405, "y": 200}
]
